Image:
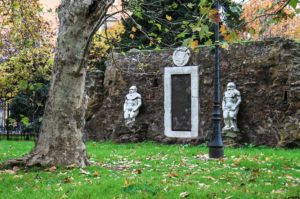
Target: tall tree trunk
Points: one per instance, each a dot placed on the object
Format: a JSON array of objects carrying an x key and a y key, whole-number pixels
[{"x": 60, "y": 140}]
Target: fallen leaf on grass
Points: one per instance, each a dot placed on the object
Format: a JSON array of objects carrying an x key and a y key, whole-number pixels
[
  {"x": 286, "y": 166},
  {"x": 88, "y": 181},
  {"x": 246, "y": 190},
  {"x": 82, "y": 171},
  {"x": 192, "y": 166},
  {"x": 279, "y": 191},
  {"x": 166, "y": 188},
  {"x": 137, "y": 171},
  {"x": 289, "y": 177},
  {"x": 202, "y": 156},
  {"x": 291, "y": 185},
  {"x": 15, "y": 168},
  {"x": 209, "y": 177},
  {"x": 93, "y": 162},
  {"x": 68, "y": 180},
  {"x": 96, "y": 174},
  {"x": 116, "y": 167},
  {"x": 267, "y": 158},
  {"x": 149, "y": 158},
  {"x": 9, "y": 171},
  {"x": 51, "y": 169},
  {"x": 184, "y": 194},
  {"x": 236, "y": 162},
  {"x": 126, "y": 182},
  {"x": 19, "y": 188},
  {"x": 255, "y": 173},
  {"x": 203, "y": 186},
  {"x": 173, "y": 175},
  {"x": 59, "y": 189},
  {"x": 256, "y": 157},
  {"x": 18, "y": 176}
]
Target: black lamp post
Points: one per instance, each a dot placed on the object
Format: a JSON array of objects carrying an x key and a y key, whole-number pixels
[{"x": 215, "y": 145}]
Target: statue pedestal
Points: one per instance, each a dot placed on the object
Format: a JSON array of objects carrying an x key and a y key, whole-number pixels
[
  {"x": 231, "y": 138},
  {"x": 136, "y": 132}
]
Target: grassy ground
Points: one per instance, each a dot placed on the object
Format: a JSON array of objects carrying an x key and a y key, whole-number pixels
[{"x": 149, "y": 170}]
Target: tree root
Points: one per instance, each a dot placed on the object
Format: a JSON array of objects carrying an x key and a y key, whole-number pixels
[
  {"x": 36, "y": 159},
  {"x": 20, "y": 162},
  {"x": 29, "y": 160}
]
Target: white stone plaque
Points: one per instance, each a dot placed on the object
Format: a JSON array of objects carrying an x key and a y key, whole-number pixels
[
  {"x": 190, "y": 123},
  {"x": 181, "y": 56}
]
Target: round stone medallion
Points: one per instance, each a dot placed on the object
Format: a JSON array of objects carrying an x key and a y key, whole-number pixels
[{"x": 181, "y": 56}]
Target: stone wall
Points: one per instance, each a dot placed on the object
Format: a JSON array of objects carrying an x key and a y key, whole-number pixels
[{"x": 267, "y": 73}]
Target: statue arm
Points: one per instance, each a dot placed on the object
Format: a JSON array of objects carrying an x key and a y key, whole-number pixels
[
  {"x": 239, "y": 99},
  {"x": 139, "y": 104},
  {"x": 223, "y": 103}
]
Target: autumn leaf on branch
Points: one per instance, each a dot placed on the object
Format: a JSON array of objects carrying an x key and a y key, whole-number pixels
[{"x": 214, "y": 16}]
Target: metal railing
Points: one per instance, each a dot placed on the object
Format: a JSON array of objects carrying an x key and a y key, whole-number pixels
[{"x": 8, "y": 132}]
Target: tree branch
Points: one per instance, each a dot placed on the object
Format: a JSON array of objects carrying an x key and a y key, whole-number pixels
[
  {"x": 144, "y": 32},
  {"x": 265, "y": 15},
  {"x": 99, "y": 22}
]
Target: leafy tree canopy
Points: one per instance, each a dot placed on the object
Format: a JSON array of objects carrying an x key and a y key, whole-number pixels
[
  {"x": 25, "y": 47},
  {"x": 170, "y": 23},
  {"x": 103, "y": 42},
  {"x": 30, "y": 64},
  {"x": 26, "y": 59},
  {"x": 22, "y": 26},
  {"x": 272, "y": 18},
  {"x": 27, "y": 106}
]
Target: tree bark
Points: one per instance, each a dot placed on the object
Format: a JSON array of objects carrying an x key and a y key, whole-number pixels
[{"x": 60, "y": 139}]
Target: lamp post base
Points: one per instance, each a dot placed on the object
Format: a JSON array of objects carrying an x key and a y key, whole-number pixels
[{"x": 216, "y": 152}]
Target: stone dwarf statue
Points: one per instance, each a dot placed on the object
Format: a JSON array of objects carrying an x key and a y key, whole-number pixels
[
  {"x": 230, "y": 105},
  {"x": 133, "y": 102}
]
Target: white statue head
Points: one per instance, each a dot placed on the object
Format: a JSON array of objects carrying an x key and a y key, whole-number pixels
[
  {"x": 231, "y": 86},
  {"x": 132, "y": 89}
]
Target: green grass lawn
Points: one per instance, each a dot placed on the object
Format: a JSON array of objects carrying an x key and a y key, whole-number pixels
[{"x": 149, "y": 170}]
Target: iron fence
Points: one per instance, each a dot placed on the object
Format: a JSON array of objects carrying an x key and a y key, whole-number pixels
[{"x": 12, "y": 132}]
